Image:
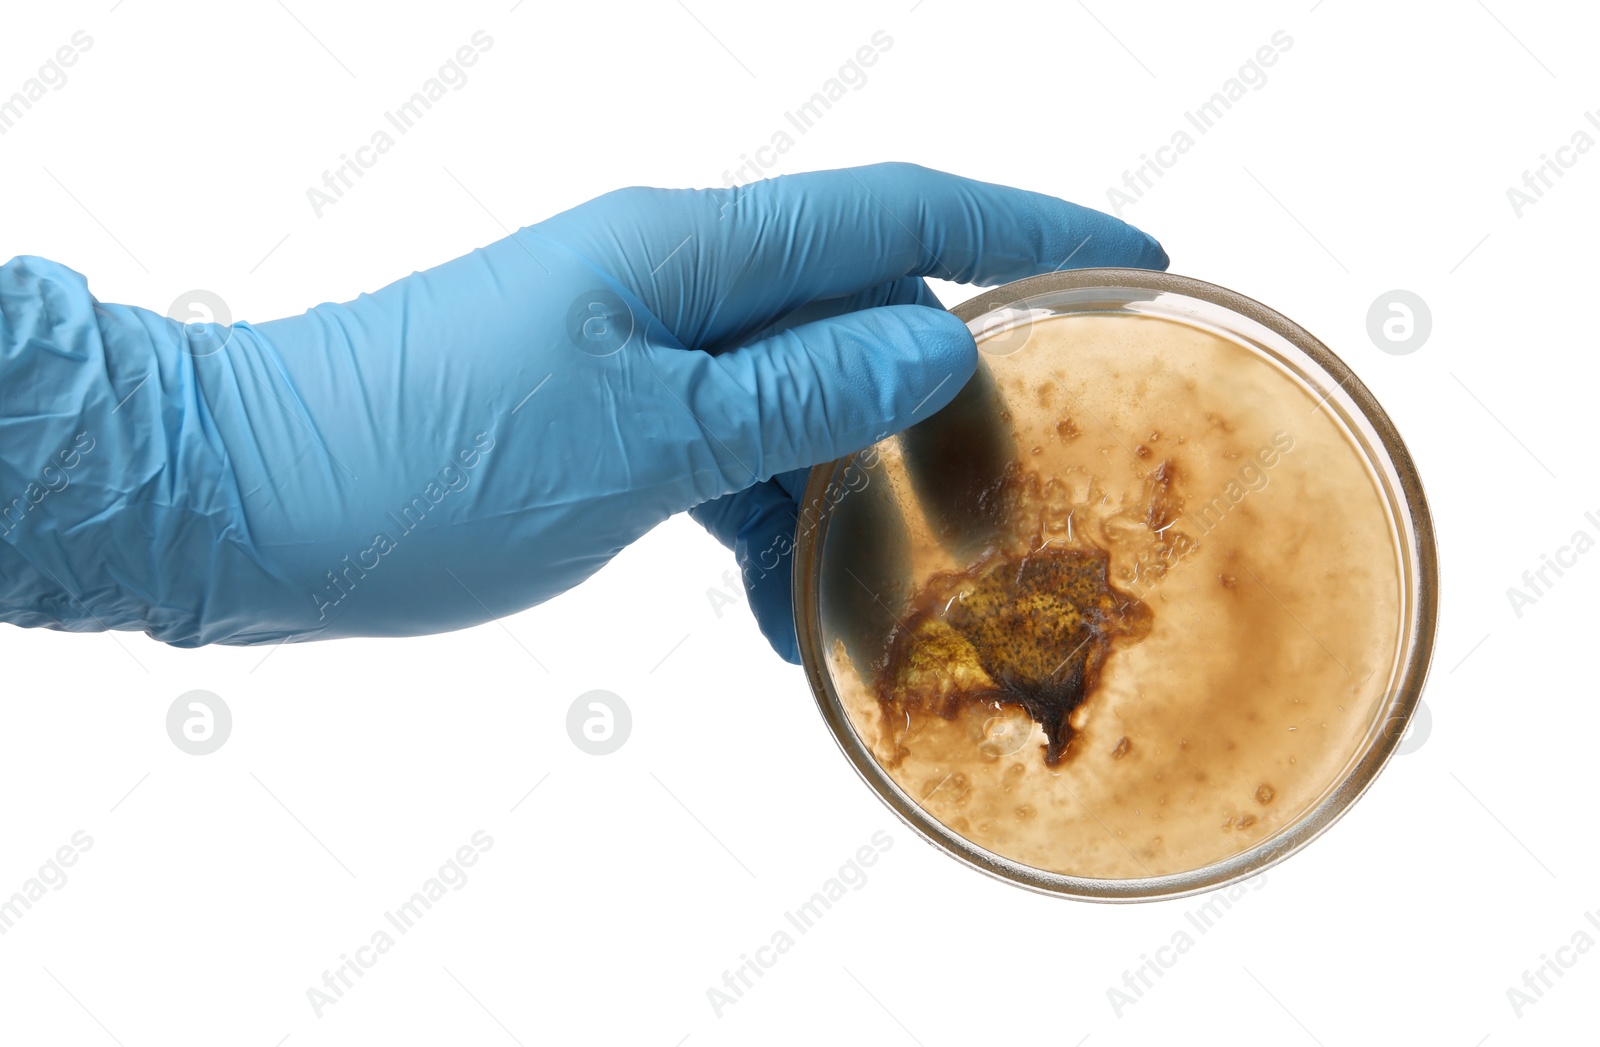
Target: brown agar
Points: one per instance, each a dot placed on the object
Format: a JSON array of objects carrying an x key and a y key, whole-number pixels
[{"x": 1181, "y": 636}]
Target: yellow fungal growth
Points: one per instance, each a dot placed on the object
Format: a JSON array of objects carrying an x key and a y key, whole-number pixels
[{"x": 1031, "y": 630}]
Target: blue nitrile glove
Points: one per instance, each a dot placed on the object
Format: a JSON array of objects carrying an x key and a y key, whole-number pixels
[{"x": 476, "y": 438}]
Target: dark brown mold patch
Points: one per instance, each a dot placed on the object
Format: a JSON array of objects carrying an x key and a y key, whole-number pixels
[{"x": 1032, "y": 631}]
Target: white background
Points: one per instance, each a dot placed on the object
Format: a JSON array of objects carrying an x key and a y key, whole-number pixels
[{"x": 219, "y": 888}]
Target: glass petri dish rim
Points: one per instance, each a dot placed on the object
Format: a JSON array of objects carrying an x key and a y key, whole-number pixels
[{"x": 1420, "y": 583}]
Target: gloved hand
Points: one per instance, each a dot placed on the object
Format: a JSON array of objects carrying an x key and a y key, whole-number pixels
[{"x": 478, "y": 437}]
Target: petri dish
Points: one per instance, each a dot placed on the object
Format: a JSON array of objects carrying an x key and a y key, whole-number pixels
[{"x": 1142, "y": 611}]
